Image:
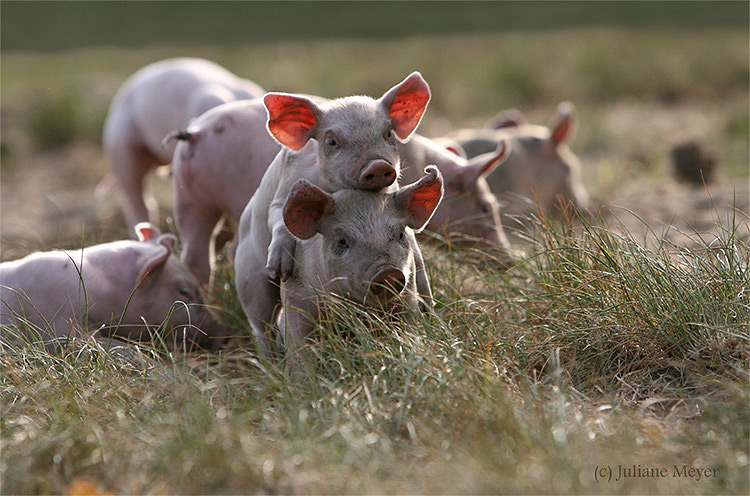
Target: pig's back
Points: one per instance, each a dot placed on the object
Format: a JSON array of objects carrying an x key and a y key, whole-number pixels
[
  {"x": 157, "y": 98},
  {"x": 41, "y": 288}
]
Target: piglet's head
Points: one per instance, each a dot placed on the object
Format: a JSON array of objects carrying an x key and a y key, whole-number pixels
[
  {"x": 166, "y": 289},
  {"x": 357, "y": 136}
]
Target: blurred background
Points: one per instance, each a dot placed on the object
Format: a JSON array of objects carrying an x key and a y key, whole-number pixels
[{"x": 644, "y": 77}]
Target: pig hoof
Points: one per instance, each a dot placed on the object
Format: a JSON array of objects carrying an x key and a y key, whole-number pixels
[{"x": 271, "y": 273}]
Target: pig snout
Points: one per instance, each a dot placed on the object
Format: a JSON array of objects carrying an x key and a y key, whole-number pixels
[
  {"x": 377, "y": 174},
  {"x": 388, "y": 280}
]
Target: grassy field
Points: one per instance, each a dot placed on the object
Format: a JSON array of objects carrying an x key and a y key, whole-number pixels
[{"x": 612, "y": 359}]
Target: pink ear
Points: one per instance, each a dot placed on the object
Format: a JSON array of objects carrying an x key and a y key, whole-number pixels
[
  {"x": 154, "y": 260},
  {"x": 420, "y": 200},
  {"x": 456, "y": 150},
  {"x": 452, "y": 146},
  {"x": 167, "y": 240},
  {"x": 507, "y": 118},
  {"x": 147, "y": 232},
  {"x": 483, "y": 165},
  {"x": 406, "y": 103},
  {"x": 304, "y": 208},
  {"x": 563, "y": 130},
  {"x": 291, "y": 118}
]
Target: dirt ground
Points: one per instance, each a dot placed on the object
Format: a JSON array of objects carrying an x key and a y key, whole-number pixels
[{"x": 48, "y": 201}]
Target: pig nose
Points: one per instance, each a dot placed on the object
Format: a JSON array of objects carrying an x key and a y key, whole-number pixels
[
  {"x": 392, "y": 280},
  {"x": 378, "y": 174}
]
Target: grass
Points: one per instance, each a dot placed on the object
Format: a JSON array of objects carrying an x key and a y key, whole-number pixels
[
  {"x": 49, "y": 26},
  {"x": 596, "y": 351}
]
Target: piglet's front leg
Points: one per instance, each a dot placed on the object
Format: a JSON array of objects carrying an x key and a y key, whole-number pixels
[{"x": 280, "y": 260}]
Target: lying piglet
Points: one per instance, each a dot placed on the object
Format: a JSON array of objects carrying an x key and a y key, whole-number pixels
[
  {"x": 154, "y": 101},
  {"x": 353, "y": 243},
  {"x": 541, "y": 168},
  {"x": 123, "y": 289}
]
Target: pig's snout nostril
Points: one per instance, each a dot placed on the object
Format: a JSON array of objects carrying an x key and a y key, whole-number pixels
[
  {"x": 378, "y": 174},
  {"x": 392, "y": 280}
]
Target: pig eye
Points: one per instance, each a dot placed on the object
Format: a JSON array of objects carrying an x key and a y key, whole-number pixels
[
  {"x": 330, "y": 141},
  {"x": 184, "y": 291},
  {"x": 388, "y": 134},
  {"x": 342, "y": 244}
]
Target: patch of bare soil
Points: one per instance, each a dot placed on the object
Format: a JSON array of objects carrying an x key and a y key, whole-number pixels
[
  {"x": 682, "y": 213},
  {"x": 47, "y": 201}
]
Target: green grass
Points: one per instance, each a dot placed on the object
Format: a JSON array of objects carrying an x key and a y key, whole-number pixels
[
  {"x": 595, "y": 351},
  {"x": 49, "y": 26}
]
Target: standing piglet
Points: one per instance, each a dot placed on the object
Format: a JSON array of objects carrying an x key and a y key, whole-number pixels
[
  {"x": 154, "y": 101},
  {"x": 541, "y": 168},
  {"x": 348, "y": 143},
  {"x": 353, "y": 243},
  {"x": 121, "y": 289},
  {"x": 217, "y": 166}
]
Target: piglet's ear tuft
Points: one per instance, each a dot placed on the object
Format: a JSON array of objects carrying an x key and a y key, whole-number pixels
[
  {"x": 152, "y": 262},
  {"x": 565, "y": 125},
  {"x": 507, "y": 118},
  {"x": 167, "y": 240},
  {"x": 483, "y": 165}
]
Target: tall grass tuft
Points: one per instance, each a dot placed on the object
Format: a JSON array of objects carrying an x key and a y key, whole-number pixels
[{"x": 616, "y": 306}]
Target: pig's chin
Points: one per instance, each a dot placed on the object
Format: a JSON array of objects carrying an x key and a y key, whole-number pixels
[
  {"x": 361, "y": 295},
  {"x": 383, "y": 301}
]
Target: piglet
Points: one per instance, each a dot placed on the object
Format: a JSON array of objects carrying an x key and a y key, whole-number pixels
[
  {"x": 541, "y": 169},
  {"x": 153, "y": 102},
  {"x": 217, "y": 166},
  {"x": 348, "y": 143},
  {"x": 353, "y": 243},
  {"x": 468, "y": 216},
  {"x": 124, "y": 289}
]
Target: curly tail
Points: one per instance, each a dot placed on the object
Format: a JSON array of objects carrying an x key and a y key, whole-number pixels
[{"x": 177, "y": 135}]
